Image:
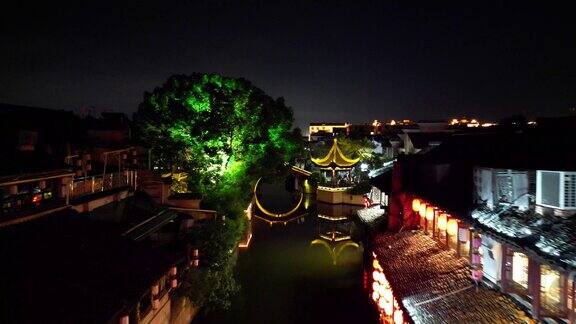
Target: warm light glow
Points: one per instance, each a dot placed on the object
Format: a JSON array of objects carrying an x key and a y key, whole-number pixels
[
  {"x": 376, "y": 275},
  {"x": 245, "y": 244},
  {"x": 393, "y": 122},
  {"x": 452, "y": 227},
  {"x": 381, "y": 303},
  {"x": 36, "y": 199},
  {"x": 442, "y": 222},
  {"x": 422, "y": 210},
  {"x": 376, "y": 265},
  {"x": 551, "y": 288},
  {"x": 430, "y": 213},
  {"x": 416, "y": 205},
  {"x": 375, "y": 296},
  {"x": 388, "y": 308},
  {"x": 520, "y": 269},
  {"x": 398, "y": 316},
  {"x": 376, "y": 286},
  {"x": 382, "y": 290},
  {"x": 388, "y": 295}
]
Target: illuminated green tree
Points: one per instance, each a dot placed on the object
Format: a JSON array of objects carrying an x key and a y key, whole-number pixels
[{"x": 224, "y": 132}]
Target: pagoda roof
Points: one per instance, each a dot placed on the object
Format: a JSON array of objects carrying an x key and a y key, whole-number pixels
[{"x": 335, "y": 158}]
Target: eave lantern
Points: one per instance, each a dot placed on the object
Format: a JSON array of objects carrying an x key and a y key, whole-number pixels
[
  {"x": 422, "y": 210},
  {"x": 452, "y": 228},
  {"x": 430, "y": 213},
  {"x": 442, "y": 222},
  {"x": 416, "y": 204}
]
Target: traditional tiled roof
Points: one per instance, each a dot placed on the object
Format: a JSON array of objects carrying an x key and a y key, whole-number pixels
[
  {"x": 335, "y": 158},
  {"x": 551, "y": 237},
  {"x": 434, "y": 286}
]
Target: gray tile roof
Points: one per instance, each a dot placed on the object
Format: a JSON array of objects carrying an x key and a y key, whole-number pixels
[{"x": 434, "y": 286}]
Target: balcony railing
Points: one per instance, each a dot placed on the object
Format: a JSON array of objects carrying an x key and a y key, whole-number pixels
[{"x": 94, "y": 184}]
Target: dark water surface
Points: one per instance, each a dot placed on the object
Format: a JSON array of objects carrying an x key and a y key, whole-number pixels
[{"x": 291, "y": 274}]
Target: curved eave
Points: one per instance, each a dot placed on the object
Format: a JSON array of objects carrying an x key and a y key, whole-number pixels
[{"x": 335, "y": 158}]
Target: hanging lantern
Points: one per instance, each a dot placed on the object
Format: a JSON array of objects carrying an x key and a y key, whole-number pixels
[
  {"x": 442, "y": 222},
  {"x": 375, "y": 296},
  {"x": 388, "y": 308},
  {"x": 430, "y": 213},
  {"x": 383, "y": 280},
  {"x": 422, "y": 210},
  {"x": 375, "y": 286},
  {"x": 398, "y": 316},
  {"x": 381, "y": 303},
  {"x": 382, "y": 291},
  {"x": 388, "y": 295},
  {"x": 452, "y": 227},
  {"x": 416, "y": 204},
  {"x": 376, "y": 275}
]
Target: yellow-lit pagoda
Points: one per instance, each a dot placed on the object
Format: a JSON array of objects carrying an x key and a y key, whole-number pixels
[{"x": 336, "y": 161}]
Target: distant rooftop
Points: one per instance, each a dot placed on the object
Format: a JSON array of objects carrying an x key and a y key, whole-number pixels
[{"x": 329, "y": 123}]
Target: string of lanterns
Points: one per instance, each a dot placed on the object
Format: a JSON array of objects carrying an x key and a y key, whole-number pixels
[
  {"x": 444, "y": 227},
  {"x": 390, "y": 311}
]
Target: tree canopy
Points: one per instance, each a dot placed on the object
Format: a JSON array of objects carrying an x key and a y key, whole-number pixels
[{"x": 224, "y": 132}]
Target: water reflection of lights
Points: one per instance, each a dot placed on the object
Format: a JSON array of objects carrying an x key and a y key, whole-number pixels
[
  {"x": 335, "y": 236},
  {"x": 271, "y": 214},
  {"x": 332, "y": 218},
  {"x": 308, "y": 200},
  {"x": 284, "y": 221},
  {"x": 334, "y": 250},
  {"x": 246, "y": 244}
]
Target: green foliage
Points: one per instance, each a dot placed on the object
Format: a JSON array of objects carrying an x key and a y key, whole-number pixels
[
  {"x": 213, "y": 285},
  {"x": 224, "y": 132},
  {"x": 354, "y": 147},
  {"x": 217, "y": 240}
]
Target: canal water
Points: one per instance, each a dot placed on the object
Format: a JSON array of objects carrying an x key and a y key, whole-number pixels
[{"x": 307, "y": 269}]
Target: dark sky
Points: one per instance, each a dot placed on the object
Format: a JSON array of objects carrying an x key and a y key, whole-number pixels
[{"x": 331, "y": 60}]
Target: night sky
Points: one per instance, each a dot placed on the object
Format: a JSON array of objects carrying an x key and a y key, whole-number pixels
[{"x": 332, "y": 61}]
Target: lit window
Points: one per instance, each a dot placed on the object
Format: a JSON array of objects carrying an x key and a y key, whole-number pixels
[
  {"x": 520, "y": 269},
  {"x": 550, "y": 288}
]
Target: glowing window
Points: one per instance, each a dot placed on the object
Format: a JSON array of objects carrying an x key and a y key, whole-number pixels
[
  {"x": 520, "y": 269},
  {"x": 550, "y": 288}
]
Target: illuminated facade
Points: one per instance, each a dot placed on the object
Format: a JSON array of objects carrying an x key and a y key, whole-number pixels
[
  {"x": 320, "y": 130},
  {"x": 494, "y": 200},
  {"x": 542, "y": 279}
]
